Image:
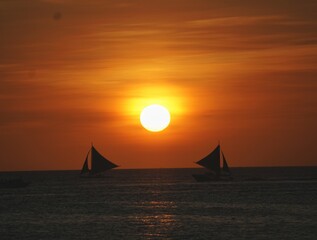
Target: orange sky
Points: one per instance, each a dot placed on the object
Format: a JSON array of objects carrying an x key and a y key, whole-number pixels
[{"x": 77, "y": 71}]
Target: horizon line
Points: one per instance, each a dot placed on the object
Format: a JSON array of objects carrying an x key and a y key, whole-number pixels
[{"x": 61, "y": 170}]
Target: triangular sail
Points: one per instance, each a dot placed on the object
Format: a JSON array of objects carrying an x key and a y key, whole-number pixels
[
  {"x": 225, "y": 167},
  {"x": 212, "y": 161},
  {"x": 99, "y": 163},
  {"x": 85, "y": 168}
]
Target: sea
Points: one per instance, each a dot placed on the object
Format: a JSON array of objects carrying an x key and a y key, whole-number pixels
[{"x": 260, "y": 203}]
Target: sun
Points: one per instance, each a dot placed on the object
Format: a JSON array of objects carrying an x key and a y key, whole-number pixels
[{"x": 155, "y": 118}]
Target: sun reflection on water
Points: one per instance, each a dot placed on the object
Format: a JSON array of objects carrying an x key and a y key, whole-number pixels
[{"x": 158, "y": 220}]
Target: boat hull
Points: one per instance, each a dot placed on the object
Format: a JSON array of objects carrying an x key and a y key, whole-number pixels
[
  {"x": 210, "y": 178},
  {"x": 95, "y": 176}
]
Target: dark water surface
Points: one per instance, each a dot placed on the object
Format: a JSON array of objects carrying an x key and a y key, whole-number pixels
[{"x": 262, "y": 203}]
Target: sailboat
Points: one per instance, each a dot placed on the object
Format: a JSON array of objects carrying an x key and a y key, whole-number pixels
[
  {"x": 212, "y": 162},
  {"x": 99, "y": 164}
]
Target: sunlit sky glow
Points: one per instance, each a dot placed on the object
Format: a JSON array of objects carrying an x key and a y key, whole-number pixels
[{"x": 73, "y": 72}]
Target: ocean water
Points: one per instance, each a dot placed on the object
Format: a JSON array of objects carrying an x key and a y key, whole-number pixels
[{"x": 261, "y": 203}]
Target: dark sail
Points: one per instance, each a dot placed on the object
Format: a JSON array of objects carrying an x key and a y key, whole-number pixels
[
  {"x": 85, "y": 168},
  {"x": 99, "y": 163},
  {"x": 225, "y": 167},
  {"x": 212, "y": 161}
]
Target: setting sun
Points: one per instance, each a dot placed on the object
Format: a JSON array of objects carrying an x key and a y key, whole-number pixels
[{"x": 155, "y": 118}]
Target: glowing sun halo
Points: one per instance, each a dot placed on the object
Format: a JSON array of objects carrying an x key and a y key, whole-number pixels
[{"x": 155, "y": 118}]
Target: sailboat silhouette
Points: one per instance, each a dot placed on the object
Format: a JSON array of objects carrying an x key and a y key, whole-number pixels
[
  {"x": 99, "y": 164},
  {"x": 212, "y": 163}
]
